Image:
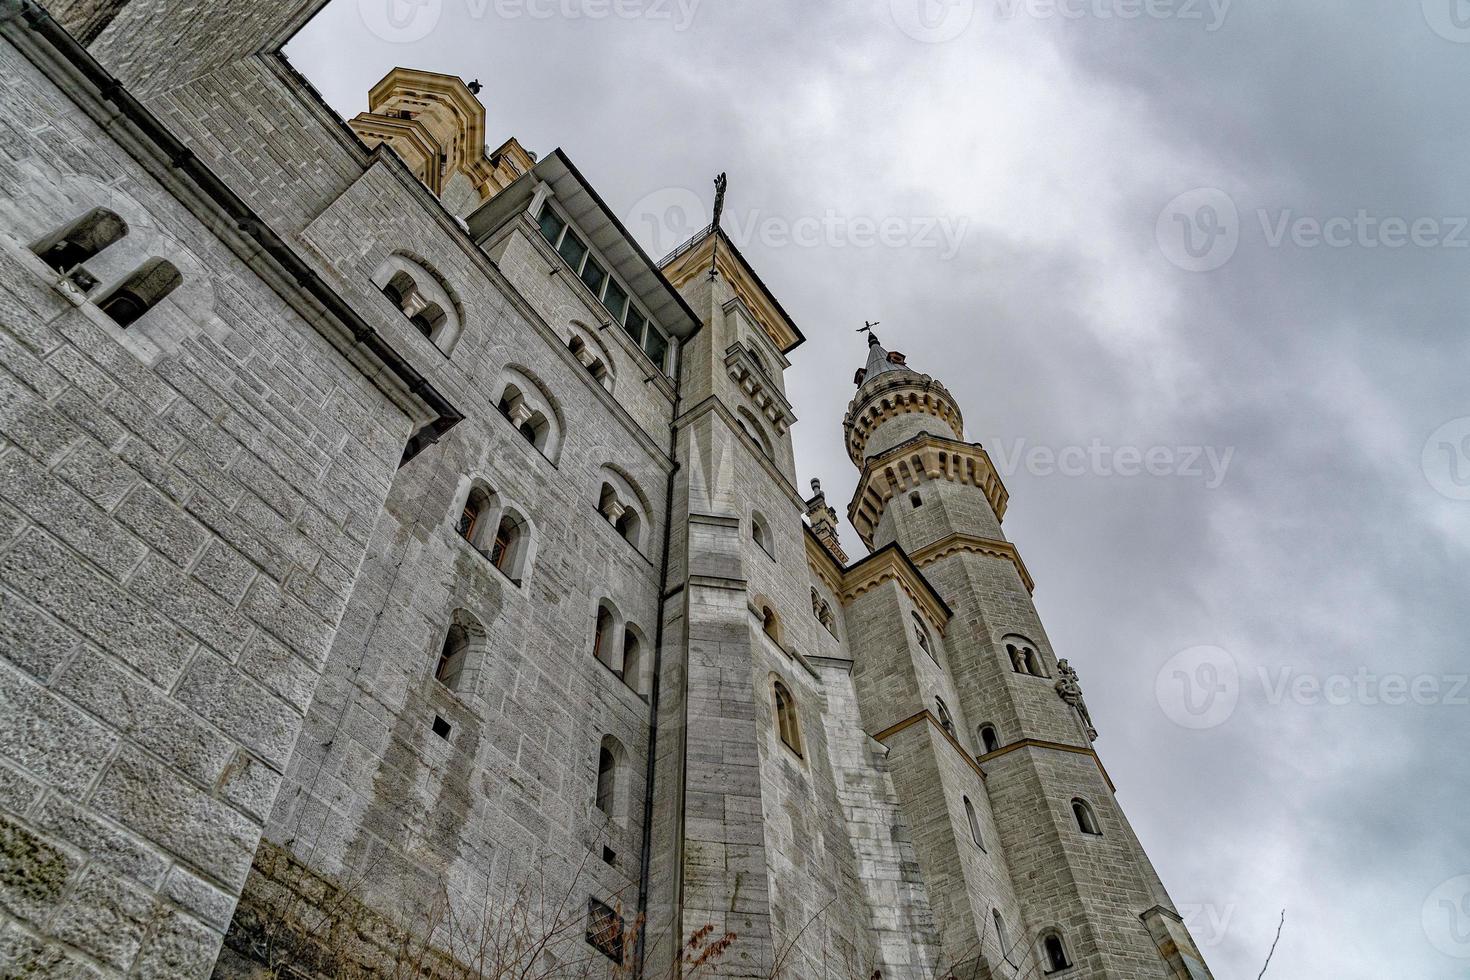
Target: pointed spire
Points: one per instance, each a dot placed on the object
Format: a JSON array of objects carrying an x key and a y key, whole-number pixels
[
  {"x": 880, "y": 361},
  {"x": 823, "y": 520}
]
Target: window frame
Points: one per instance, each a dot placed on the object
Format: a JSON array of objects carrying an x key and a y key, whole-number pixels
[{"x": 643, "y": 334}]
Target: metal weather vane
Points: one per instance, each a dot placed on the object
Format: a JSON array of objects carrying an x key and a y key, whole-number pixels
[{"x": 720, "y": 182}]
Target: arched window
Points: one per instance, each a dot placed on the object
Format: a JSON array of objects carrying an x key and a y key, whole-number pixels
[
  {"x": 592, "y": 359},
  {"x": 823, "y": 612},
  {"x": 141, "y": 291},
  {"x": 988, "y": 739},
  {"x": 1023, "y": 657},
  {"x": 79, "y": 241},
  {"x": 1086, "y": 819},
  {"x": 465, "y": 637},
  {"x": 531, "y": 412},
  {"x": 1000, "y": 934},
  {"x": 974, "y": 822},
  {"x": 945, "y": 721},
  {"x": 1054, "y": 952},
  {"x": 1033, "y": 663},
  {"x": 632, "y": 660},
  {"x": 756, "y": 431},
  {"x": 771, "y": 623},
  {"x": 602, "y": 636},
  {"x": 609, "y": 777},
  {"x": 786, "y": 724},
  {"x": 629, "y": 525},
  {"x": 451, "y": 657},
  {"x": 915, "y": 500},
  {"x": 760, "y": 533},
  {"x": 921, "y": 633},
  {"x": 475, "y": 517},
  {"x": 508, "y": 550},
  {"x": 421, "y": 297}
]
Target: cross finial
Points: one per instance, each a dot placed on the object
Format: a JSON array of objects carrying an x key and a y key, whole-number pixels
[{"x": 867, "y": 328}]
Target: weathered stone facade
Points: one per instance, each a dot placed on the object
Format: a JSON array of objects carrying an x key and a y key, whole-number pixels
[{"x": 368, "y": 569}]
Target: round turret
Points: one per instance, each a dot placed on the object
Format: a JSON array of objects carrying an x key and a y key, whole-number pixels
[{"x": 895, "y": 403}]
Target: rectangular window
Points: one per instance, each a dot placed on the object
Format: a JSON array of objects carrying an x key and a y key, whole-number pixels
[
  {"x": 593, "y": 275},
  {"x": 605, "y": 930},
  {"x": 656, "y": 346},
  {"x": 615, "y": 300},
  {"x": 634, "y": 324},
  {"x": 573, "y": 250},
  {"x": 551, "y": 224}
]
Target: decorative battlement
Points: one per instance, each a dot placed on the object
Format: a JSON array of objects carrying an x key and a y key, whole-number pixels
[
  {"x": 924, "y": 457},
  {"x": 891, "y": 394},
  {"x": 748, "y": 373}
]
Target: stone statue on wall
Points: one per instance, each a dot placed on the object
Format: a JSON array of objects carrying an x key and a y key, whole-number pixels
[{"x": 1070, "y": 691}]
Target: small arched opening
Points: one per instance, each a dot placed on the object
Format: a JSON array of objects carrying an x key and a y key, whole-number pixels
[
  {"x": 1086, "y": 819},
  {"x": 80, "y": 240},
  {"x": 1054, "y": 952},
  {"x": 787, "y": 725},
  {"x": 141, "y": 291},
  {"x": 946, "y": 721},
  {"x": 989, "y": 741},
  {"x": 973, "y": 820}
]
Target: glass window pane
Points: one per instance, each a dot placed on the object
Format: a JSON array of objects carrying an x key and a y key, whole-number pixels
[
  {"x": 572, "y": 249},
  {"x": 615, "y": 300},
  {"x": 656, "y": 345},
  {"x": 551, "y": 224},
  {"x": 634, "y": 324},
  {"x": 593, "y": 275}
]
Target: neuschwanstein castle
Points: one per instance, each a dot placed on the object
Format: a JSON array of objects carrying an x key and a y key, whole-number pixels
[{"x": 404, "y": 573}]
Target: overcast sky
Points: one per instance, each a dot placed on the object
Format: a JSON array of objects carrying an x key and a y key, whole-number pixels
[{"x": 1111, "y": 235}]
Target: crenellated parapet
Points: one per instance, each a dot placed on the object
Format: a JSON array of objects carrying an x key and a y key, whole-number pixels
[
  {"x": 891, "y": 395},
  {"x": 905, "y": 466}
]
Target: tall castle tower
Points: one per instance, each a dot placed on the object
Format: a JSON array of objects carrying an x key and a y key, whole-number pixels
[{"x": 1059, "y": 858}]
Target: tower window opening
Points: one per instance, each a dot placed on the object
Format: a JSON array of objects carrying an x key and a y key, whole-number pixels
[
  {"x": 760, "y": 533},
  {"x": 771, "y": 624},
  {"x": 1054, "y": 953},
  {"x": 141, "y": 291},
  {"x": 602, "y": 636},
  {"x": 65, "y": 250},
  {"x": 1000, "y": 934},
  {"x": 610, "y": 771},
  {"x": 974, "y": 821},
  {"x": 921, "y": 634},
  {"x": 1086, "y": 819},
  {"x": 945, "y": 721},
  {"x": 916, "y": 500},
  {"x": 786, "y": 722},
  {"x": 1025, "y": 660},
  {"x": 451, "y": 657},
  {"x": 988, "y": 738}
]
